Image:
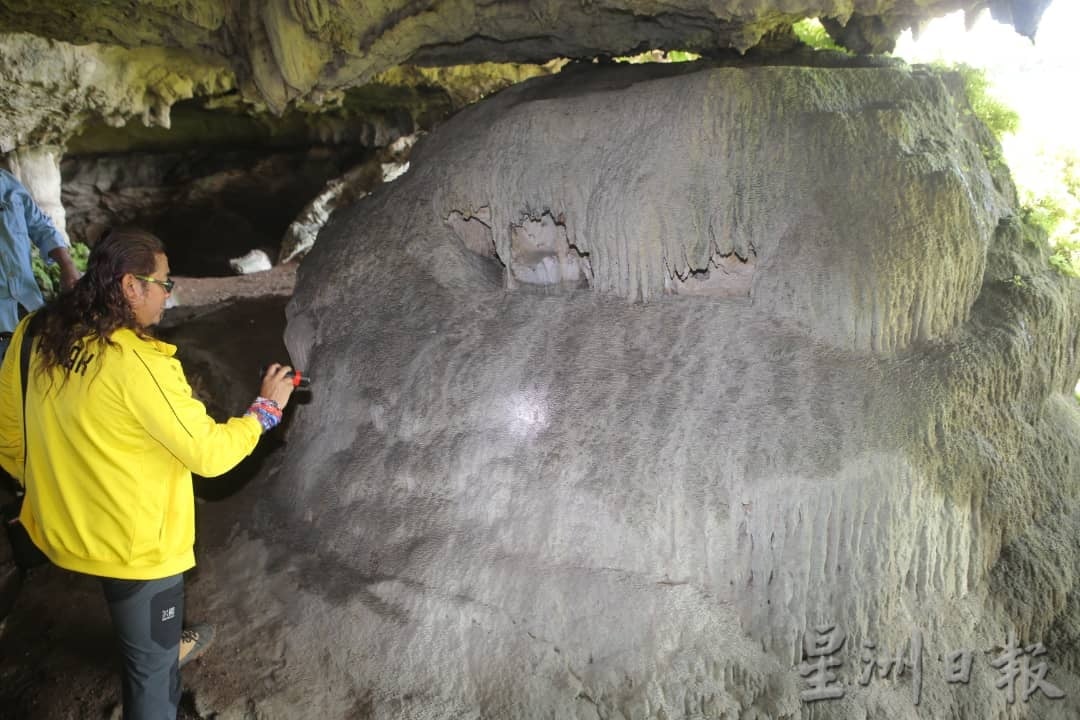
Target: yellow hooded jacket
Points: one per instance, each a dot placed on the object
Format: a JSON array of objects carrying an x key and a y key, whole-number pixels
[{"x": 111, "y": 452}]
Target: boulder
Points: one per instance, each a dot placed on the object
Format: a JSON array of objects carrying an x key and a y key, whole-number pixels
[{"x": 609, "y": 498}]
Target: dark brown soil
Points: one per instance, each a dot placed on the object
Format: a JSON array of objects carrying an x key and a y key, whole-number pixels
[{"x": 209, "y": 292}]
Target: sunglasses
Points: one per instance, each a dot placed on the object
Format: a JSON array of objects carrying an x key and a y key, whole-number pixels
[{"x": 167, "y": 284}]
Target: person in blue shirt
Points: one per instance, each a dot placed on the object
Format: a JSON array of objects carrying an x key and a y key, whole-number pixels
[{"x": 22, "y": 222}]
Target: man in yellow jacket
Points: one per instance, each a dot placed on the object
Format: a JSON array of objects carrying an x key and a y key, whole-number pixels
[{"x": 112, "y": 435}]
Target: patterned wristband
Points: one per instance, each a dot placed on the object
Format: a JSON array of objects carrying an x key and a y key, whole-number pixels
[{"x": 266, "y": 411}]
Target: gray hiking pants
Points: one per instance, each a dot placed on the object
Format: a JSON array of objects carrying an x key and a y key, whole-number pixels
[{"x": 147, "y": 617}]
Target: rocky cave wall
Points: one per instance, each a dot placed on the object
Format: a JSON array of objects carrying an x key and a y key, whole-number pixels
[
  {"x": 282, "y": 50},
  {"x": 162, "y": 138},
  {"x": 601, "y": 499},
  {"x": 66, "y": 62},
  {"x": 85, "y": 79},
  {"x": 634, "y": 379}
]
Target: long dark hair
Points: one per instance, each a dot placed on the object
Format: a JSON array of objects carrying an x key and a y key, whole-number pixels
[{"x": 96, "y": 306}]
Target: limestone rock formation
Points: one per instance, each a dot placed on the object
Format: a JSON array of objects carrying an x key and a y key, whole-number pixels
[
  {"x": 81, "y": 96},
  {"x": 92, "y": 78},
  {"x": 610, "y": 499},
  {"x": 283, "y": 50},
  {"x": 639, "y": 385},
  {"x": 347, "y": 74},
  {"x": 52, "y": 89},
  {"x": 301, "y": 234}
]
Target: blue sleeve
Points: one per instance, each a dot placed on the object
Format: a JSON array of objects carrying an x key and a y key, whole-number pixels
[{"x": 41, "y": 230}]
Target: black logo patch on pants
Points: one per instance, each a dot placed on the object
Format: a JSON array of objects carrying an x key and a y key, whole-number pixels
[{"x": 166, "y": 616}]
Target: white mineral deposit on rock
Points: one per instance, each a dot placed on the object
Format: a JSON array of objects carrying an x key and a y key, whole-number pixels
[{"x": 253, "y": 262}]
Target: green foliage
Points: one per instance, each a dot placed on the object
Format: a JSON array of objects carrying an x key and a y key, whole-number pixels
[
  {"x": 659, "y": 56},
  {"x": 1065, "y": 261},
  {"x": 1055, "y": 207},
  {"x": 814, "y": 34},
  {"x": 1017, "y": 281},
  {"x": 1001, "y": 119},
  {"x": 1044, "y": 212},
  {"x": 48, "y": 274},
  {"x": 682, "y": 56}
]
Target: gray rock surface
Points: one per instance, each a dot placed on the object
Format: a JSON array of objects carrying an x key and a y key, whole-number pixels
[{"x": 515, "y": 501}]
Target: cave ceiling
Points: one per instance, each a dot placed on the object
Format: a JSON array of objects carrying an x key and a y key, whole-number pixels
[{"x": 288, "y": 51}]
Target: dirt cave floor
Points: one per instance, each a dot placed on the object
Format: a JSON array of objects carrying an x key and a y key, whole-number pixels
[{"x": 57, "y": 655}]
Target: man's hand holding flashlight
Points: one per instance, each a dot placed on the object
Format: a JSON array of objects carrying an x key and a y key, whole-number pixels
[{"x": 278, "y": 384}]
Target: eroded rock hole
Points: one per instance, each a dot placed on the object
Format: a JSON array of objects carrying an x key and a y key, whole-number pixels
[
  {"x": 541, "y": 254},
  {"x": 727, "y": 275}
]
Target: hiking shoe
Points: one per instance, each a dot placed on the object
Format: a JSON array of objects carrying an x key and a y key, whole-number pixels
[{"x": 194, "y": 641}]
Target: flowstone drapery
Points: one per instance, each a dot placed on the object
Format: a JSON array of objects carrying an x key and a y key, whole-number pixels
[{"x": 643, "y": 378}]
